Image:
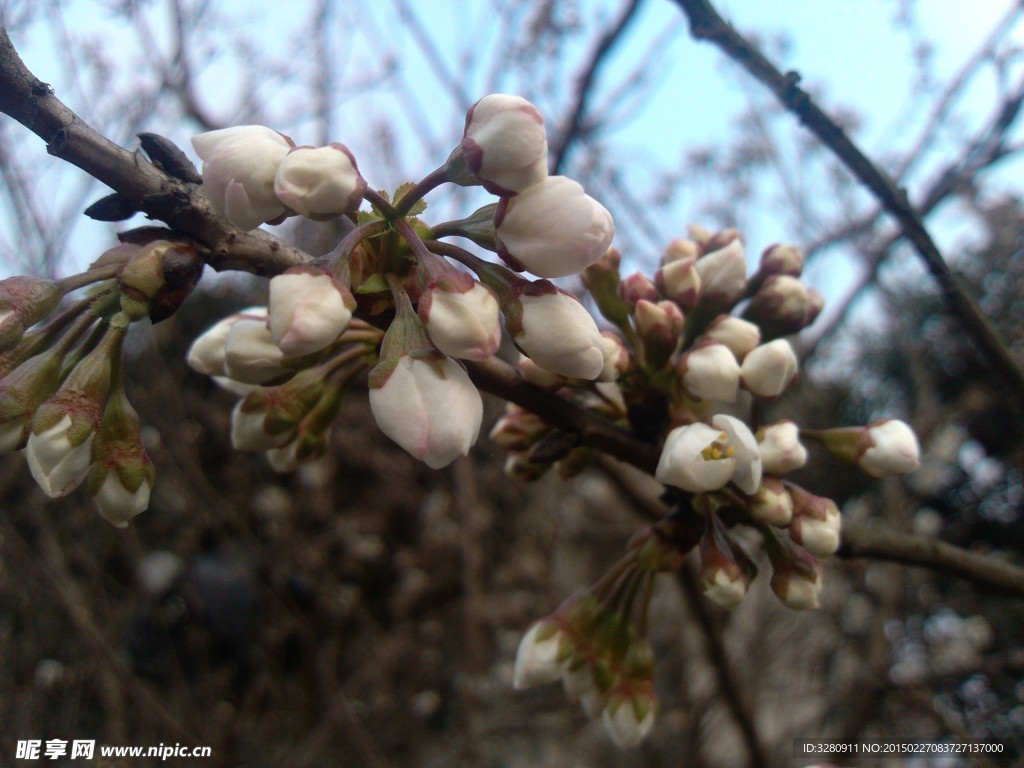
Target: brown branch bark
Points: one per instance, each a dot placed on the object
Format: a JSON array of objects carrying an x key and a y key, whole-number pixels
[
  {"x": 184, "y": 207},
  {"x": 707, "y": 24}
]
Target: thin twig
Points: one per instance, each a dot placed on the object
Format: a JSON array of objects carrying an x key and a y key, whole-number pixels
[{"x": 707, "y": 24}]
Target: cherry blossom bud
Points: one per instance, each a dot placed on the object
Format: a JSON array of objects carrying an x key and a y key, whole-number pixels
[
  {"x": 884, "y": 448},
  {"x": 738, "y": 335},
  {"x": 430, "y": 408},
  {"x": 769, "y": 369},
  {"x": 239, "y": 168},
  {"x": 698, "y": 457},
  {"x": 269, "y": 417},
  {"x": 540, "y": 655},
  {"x": 894, "y": 449},
  {"x": 319, "y": 182},
  {"x": 604, "y": 284},
  {"x": 250, "y": 353},
  {"x": 723, "y": 275},
  {"x": 782, "y": 259},
  {"x": 636, "y": 287},
  {"x": 504, "y": 144},
  {"x": 122, "y": 475},
  {"x": 461, "y": 317},
  {"x": 616, "y": 357},
  {"x": 680, "y": 249},
  {"x": 796, "y": 574},
  {"x": 22, "y": 391},
  {"x": 309, "y": 308},
  {"x": 631, "y": 706},
  {"x": 725, "y": 569},
  {"x": 660, "y": 327},
  {"x": 780, "y": 447},
  {"x": 771, "y": 503},
  {"x": 781, "y": 306},
  {"x": 816, "y": 522},
  {"x": 680, "y": 281},
  {"x": 709, "y": 371},
  {"x": 555, "y": 331},
  {"x": 553, "y": 229},
  {"x": 24, "y": 301},
  {"x": 206, "y": 355},
  {"x": 59, "y": 449}
]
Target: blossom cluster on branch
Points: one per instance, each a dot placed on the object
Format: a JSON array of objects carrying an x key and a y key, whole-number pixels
[{"x": 688, "y": 360}]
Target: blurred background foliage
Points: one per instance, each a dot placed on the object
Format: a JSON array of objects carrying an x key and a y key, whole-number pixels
[{"x": 365, "y": 610}]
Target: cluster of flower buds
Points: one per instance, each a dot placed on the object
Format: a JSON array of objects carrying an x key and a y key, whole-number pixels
[
  {"x": 699, "y": 356},
  {"x": 440, "y": 304},
  {"x": 62, "y": 395}
]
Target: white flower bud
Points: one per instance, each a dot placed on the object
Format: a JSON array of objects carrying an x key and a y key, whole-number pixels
[
  {"x": 769, "y": 369},
  {"x": 553, "y": 229},
  {"x": 537, "y": 658},
  {"x": 894, "y": 449},
  {"x": 462, "y": 324},
  {"x": 723, "y": 274},
  {"x": 559, "y": 335},
  {"x": 798, "y": 590},
  {"x": 58, "y": 466},
  {"x": 250, "y": 354},
  {"x": 738, "y": 335},
  {"x": 504, "y": 144},
  {"x": 206, "y": 355},
  {"x": 239, "y": 166},
  {"x": 723, "y": 590},
  {"x": 709, "y": 371},
  {"x": 321, "y": 182},
  {"x": 680, "y": 281},
  {"x": 629, "y": 720},
  {"x": 117, "y": 504},
  {"x": 308, "y": 310},
  {"x": 430, "y": 408},
  {"x": 781, "y": 450},
  {"x": 819, "y": 537}
]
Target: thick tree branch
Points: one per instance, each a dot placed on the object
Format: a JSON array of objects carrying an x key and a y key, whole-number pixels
[
  {"x": 184, "y": 207},
  {"x": 707, "y": 24}
]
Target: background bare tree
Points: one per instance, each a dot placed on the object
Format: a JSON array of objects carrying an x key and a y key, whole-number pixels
[{"x": 365, "y": 610}]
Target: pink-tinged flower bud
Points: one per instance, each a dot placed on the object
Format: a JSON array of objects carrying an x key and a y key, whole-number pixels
[
  {"x": 781, "y": 450},
  {"x": 616, "y": 357},
  {"x": 122, "y": 475},
  {"x": 540, "y": 655},
  {"x": 429, "y": 407},
  {"x": 771, "y": 503},
  {"x": 709, "y": 371},
  {"x": 239, "y": 167},
  {"x": 319, "y": 183},
  {"x": 723, "y": 275},
  {"x": 894, "y": 449},
  {"x": 59, "y": 449},
  {"x": 816, "y": 522},
  {"x": 738, "y": 335},
  {"x": 555, "y": 331},
  {"x": 553, "y": 229},
  {"x": 660, "y": 327},
  {"x": 769, "y": 369},
  {"x": 698, "y": 457},
  {"x": 680, "y": 281},
  {"x": 206, "y": 355},
  {"x": 308, "y": 310},
  {"x": 680, "y": 249},
  {"x": 461, "y": 317},
  {"x": 539, "y": 377},
  {"x": 782, "y": 259},
  {"x": 504, "y": 144},
  {"x": 636, "y": 287},
  {"x": 24, "y": 301},
  {"x": 250, "y": 354},
  {"x": 781, "y": 306}
]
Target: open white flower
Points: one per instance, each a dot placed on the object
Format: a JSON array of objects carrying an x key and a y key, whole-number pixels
[{"x": 699, "y": 457}]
